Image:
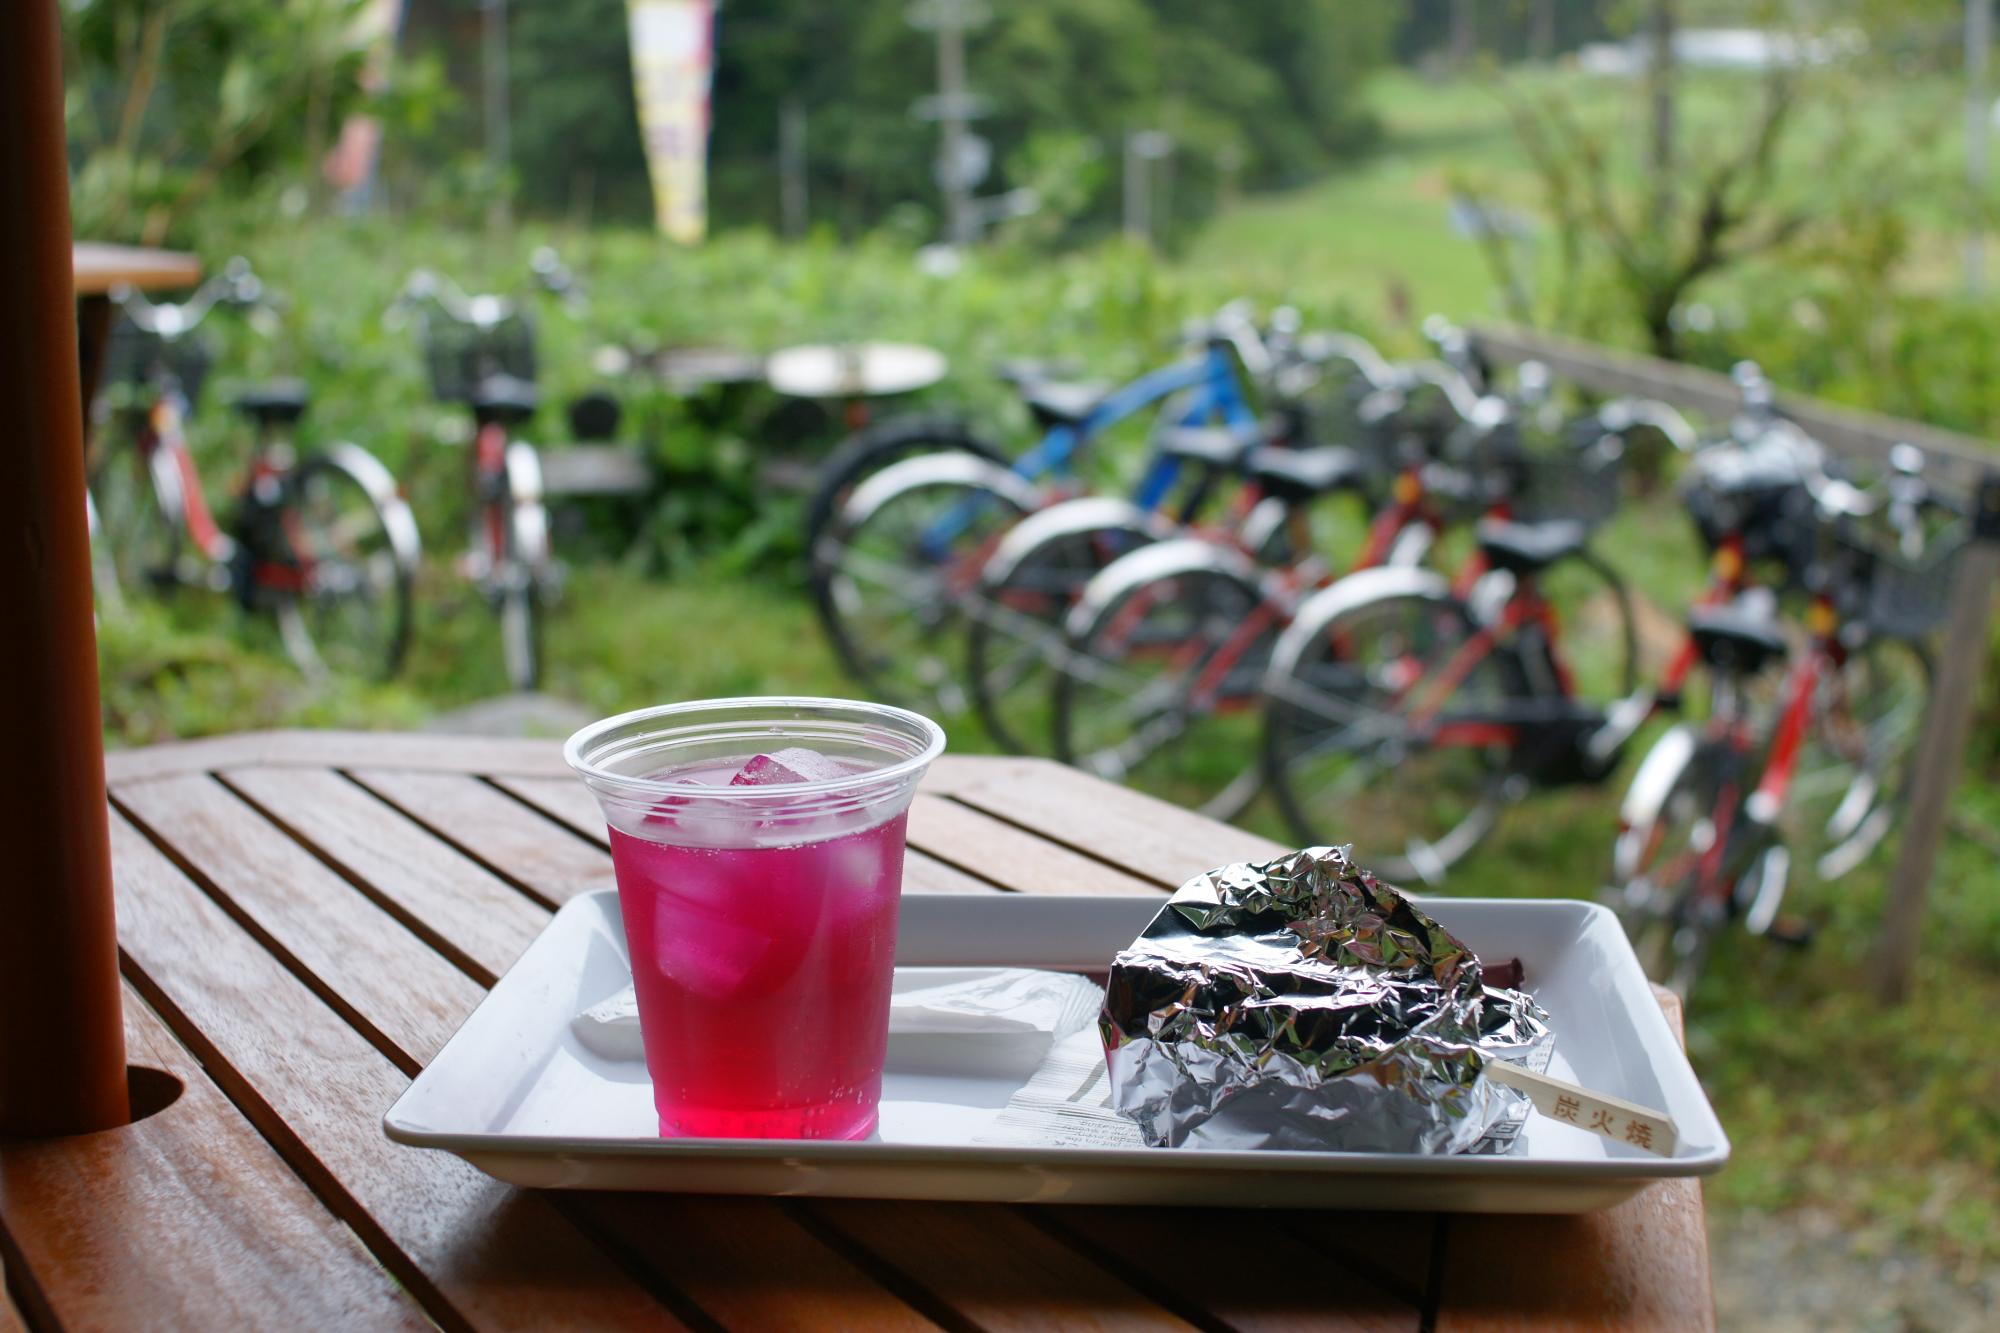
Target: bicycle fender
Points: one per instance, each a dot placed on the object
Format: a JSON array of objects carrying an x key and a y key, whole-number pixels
[
  {"x": 1264, "y": 522},
  {"x": 524, "y": 473},
  {"x": 1356, "y": 589},
  {"x": 524, "y": 485},
  {"x": 1095, "y": 513},
  {"x": 365, "y": 468},
  {"x": 165, "y": 475},
  {"x": 1148, "y": 564},
  {"x": 380, "y": 484},
  {"x": 931, "y": 470},
  {"x": 1640, "y": 810}
]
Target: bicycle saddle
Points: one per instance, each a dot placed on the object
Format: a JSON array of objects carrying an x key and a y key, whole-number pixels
[
  {"x": 1529, "y": 548},
  {"x": 1729, "y": 637},
  {"x": 1300, "y": 474},
  {"x": 505, "y": 399},
  {"x": 274, "y": 402},
  {"x": 1210, "y": 446},
  {"x": 1061, "y": 402}
]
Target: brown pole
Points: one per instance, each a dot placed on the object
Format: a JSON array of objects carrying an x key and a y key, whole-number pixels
[{"x": 62, "y": 1040}]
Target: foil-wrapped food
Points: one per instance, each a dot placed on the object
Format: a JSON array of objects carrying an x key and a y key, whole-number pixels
[{"x": 1304, "y": 1004}]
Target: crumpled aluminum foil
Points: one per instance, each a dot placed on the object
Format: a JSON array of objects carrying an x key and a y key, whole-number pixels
[{"x": 1303, "y": 1004}]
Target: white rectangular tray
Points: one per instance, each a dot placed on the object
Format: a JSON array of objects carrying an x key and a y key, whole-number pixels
[{"x": 517, "y": 1095}]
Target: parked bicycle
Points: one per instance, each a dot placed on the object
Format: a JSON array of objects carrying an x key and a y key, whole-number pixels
[
  {"x": 480, "y": 353},
  {"x": 893, "y": 561},
  {"x": 1171, "y": 646},
  {"x": 1719, "y": 811},
  {"x": 1418, "y": 715},
  {"x": 321, "y": 540},
  {"x": 1017, "y": 607}
]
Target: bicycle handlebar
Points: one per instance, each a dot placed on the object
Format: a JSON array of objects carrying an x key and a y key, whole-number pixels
[
  {"x": 1353, "y": 349},
  {"x": 1621, "y": 414},
  {"x": 484, "y": 310},
  {"x": 429, "y": 288},
  {"x": 1471, "y": 406},
  {"x": 236, "y": 286}
]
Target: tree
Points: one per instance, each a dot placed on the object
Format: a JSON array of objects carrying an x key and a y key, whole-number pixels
[
  {"x": 171, "y": 99},
  {"x": 1754, "y": 191}
]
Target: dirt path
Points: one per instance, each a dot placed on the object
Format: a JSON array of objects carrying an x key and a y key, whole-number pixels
[{"x": 1804, "y": 1271}]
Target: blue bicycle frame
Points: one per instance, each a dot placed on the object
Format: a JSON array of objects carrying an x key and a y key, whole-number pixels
[{"x": 1215, "y": 393}]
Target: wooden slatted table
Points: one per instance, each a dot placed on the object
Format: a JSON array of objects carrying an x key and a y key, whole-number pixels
[{"x": 304, "y": 918}]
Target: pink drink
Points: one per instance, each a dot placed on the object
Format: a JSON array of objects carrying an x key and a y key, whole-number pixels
[{"x": 762, "y": 970}]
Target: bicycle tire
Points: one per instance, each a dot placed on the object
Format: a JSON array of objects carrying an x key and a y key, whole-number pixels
[
  {"x": 1320, "y": 710},
  {"x": 889, "y": 607},
  {"x": 138, "y": 510},
  {"x": 354, "y": 542},
  {"x": 1672, "y": 924},
  {"x": 521, "y": 635},
  {"x": 875, "y": 447},
  {"x": 1895, "y": 698},
  {"x": 1179, "y": 738},
  {"x": 1619, "y": 676},
  {"x": 109, "y": 596}
]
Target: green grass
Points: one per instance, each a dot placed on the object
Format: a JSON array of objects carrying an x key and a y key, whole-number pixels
[
  {"x": 1888, "y": 1117},
  {"x": 1377, "y": 238}
]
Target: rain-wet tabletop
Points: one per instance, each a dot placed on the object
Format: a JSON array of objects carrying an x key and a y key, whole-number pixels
[{"x": 305, "y": 918}]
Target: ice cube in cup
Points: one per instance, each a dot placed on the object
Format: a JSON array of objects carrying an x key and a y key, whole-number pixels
[{"x": 794, "y": 763}]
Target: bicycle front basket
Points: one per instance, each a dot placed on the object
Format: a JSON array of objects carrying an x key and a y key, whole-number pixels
[
  {"x": 134, "y": 356},
  {"x": 1581, "y": 485},
  {"x": 1908, "y": 599},
  {"x": 460, "y": 355}
]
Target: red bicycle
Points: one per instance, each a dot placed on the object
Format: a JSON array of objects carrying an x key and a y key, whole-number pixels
[
  {"x": 480, "y": 351},
  {"x": 1405, "y": 712},
  {"x": 322, "y": 541},
  {"x": 1169, "y": 648},
  {"x": 1719, "y": 810}
]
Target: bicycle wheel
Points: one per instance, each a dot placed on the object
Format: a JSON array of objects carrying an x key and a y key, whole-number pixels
[
  {"x": 137, "y": 509},
  {"x": 1854, "y": 764},
  {"x": 1348, "y": 761},
  {"x": 1600, "y": 638},
  {"x": 1015, "y": 641},
  {"x": 901, "y": 559},
  {"x": 352, "y": 551},
  {"x": 1673, "y": 881},
  {"x": 870, "y": 450},
  {"x": 103, "y": 576},
  {"x": 1161, "y": 686}
]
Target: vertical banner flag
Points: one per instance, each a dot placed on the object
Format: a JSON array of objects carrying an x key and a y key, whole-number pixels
[{"x": 673, "y": 56}]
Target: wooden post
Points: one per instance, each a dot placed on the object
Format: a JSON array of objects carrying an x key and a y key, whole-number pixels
[
  {"x": 62, "y": 1043},
  {"x": 1941, "y": 751}
]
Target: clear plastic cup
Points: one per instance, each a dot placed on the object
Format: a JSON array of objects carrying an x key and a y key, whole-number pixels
[{"x": 761, "y": 920}]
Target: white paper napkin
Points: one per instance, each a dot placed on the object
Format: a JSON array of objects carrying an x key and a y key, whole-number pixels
[{"x": 1011, "y": 1003}]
